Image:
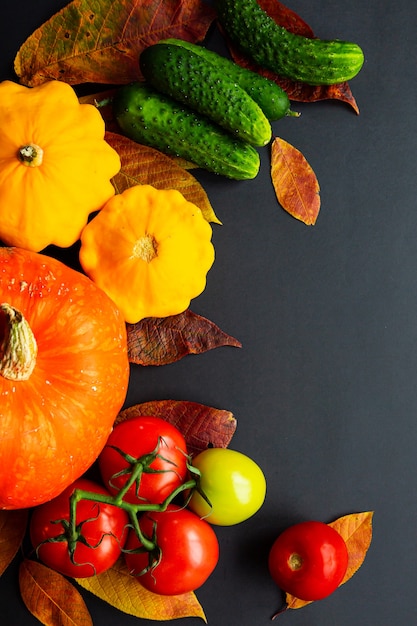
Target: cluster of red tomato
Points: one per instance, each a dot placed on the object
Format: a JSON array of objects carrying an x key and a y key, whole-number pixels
[
  {"x": 157, "y": 507},
  {"x": 154, "y": 506}
]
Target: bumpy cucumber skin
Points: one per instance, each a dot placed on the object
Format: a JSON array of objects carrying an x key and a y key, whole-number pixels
[
  {"x": 312, "y": 61},
  {"x": 155, "y": 120},
  {"x": 273, "y": 100},
  {"x": 190, "y": 79}
]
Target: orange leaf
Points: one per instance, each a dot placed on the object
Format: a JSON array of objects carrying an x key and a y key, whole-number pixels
[
  {"x": 12, "y": 530},
  {"x": 101, "y": 42},
  {"x": 50, "y": 597},
  {"x": 141, "y": 165},
  {"x": 124, "y": 592},
  {"x": 160, "y": 341},
  {"x": 356, "y": 530},
  {"x": 295, "y": 183},
  {"x": 202, "y": 426}
]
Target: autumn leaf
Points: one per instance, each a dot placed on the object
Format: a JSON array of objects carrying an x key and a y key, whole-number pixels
[
  {"x": 296, "y": 91},
  {"x": 100, "y": 41},
  {"x": 164, "y": 340},
  {"x": 301, "y": 92},
  {"x": 356, "y": 530},
  {"x": 124, "y": 592},
  {"x": 202, "y": 426},
  {"x": 12, "y": 530},
  {"x": 50, "y": 597},
  {"x": 296, "y": 186},
  {"x": 141, "y": 165}
]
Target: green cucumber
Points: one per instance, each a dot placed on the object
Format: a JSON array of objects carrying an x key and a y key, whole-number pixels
[
  {"x": 273, "y": 100},
  {"x": 190, "y": 79},
  {"x": 153, "y": 119},
  {"x": 312, "y": 61}
]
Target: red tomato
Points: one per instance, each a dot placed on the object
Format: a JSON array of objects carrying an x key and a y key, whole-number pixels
[
  {"x": 136, "y": 439},
  {"x": 308, "y": 560},
  {"x": 103, "y": 528},
  {"x": 187, "y": 547}
]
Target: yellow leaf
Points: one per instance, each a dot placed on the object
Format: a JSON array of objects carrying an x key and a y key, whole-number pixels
[
  {"x": 124, "y": 592},
  {"x": 141, "y": 165},
  {"x": 50, "y": 597},
  {"x": 356, "y": 530},
  {"x": 12, "y": 530},
  {"x": 100, "y": 42},
  {"x": 295, "y": 184}
]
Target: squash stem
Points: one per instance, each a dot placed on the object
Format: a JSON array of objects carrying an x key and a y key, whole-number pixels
[
  {"x": 18, "y": 347},
  {"x": 30, "y": 155}
]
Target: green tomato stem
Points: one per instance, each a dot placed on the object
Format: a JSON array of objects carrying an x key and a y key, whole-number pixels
[{"x": 133, "y": 510}]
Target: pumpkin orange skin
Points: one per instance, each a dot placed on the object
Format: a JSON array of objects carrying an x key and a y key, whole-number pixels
[
  {"x": 54, "y": 425},
  {"x": 47, "y": 199}
]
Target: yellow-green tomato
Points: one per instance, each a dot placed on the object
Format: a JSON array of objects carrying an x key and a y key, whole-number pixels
[{"x": 233, "y": 483}]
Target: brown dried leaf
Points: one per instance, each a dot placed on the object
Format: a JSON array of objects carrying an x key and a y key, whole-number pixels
[
  {"x": 124, "y": 592},
  {"x": 50, "y": 597},
  {"x": 202, "y": 426},
  {"x": 100, "y": 42},
  {"x": 296, "y": 91},
  {"x": 356, "y": 530},
  {"x": 164, "y": 340},
  {"x": 142, "y": 165},
  {"x": 12, "y": 530},
  {"x": 294, "y": 181}
]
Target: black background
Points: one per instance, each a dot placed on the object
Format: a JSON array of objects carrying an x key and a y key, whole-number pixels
[{"x": 324, "y": 387}]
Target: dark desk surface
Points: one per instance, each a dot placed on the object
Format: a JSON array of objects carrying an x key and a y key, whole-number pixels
[{"x": 324, "y": 388}]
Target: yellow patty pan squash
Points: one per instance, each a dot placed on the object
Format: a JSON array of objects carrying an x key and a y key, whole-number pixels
[
  {"x": 55, "y": 166},
  {"x": 149, "y": 250}
]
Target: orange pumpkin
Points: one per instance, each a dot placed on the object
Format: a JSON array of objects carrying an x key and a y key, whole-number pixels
[{"x": 63, "y": 375}]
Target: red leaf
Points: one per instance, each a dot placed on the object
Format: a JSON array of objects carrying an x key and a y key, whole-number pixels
[
  {"x": 296, "y": 91},
  {"x": 202, "y": 426},
  {"x": 159, "y": 341}
]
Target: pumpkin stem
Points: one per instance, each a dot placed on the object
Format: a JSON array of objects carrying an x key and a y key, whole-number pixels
[
  {"x": 30, "y": 155},
  {"x": 18, "y": 347}
]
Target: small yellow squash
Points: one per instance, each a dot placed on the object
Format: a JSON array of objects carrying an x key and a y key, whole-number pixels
[
  {"x": 149, "y": 250},
  {"x": 55, "y": 166}
]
